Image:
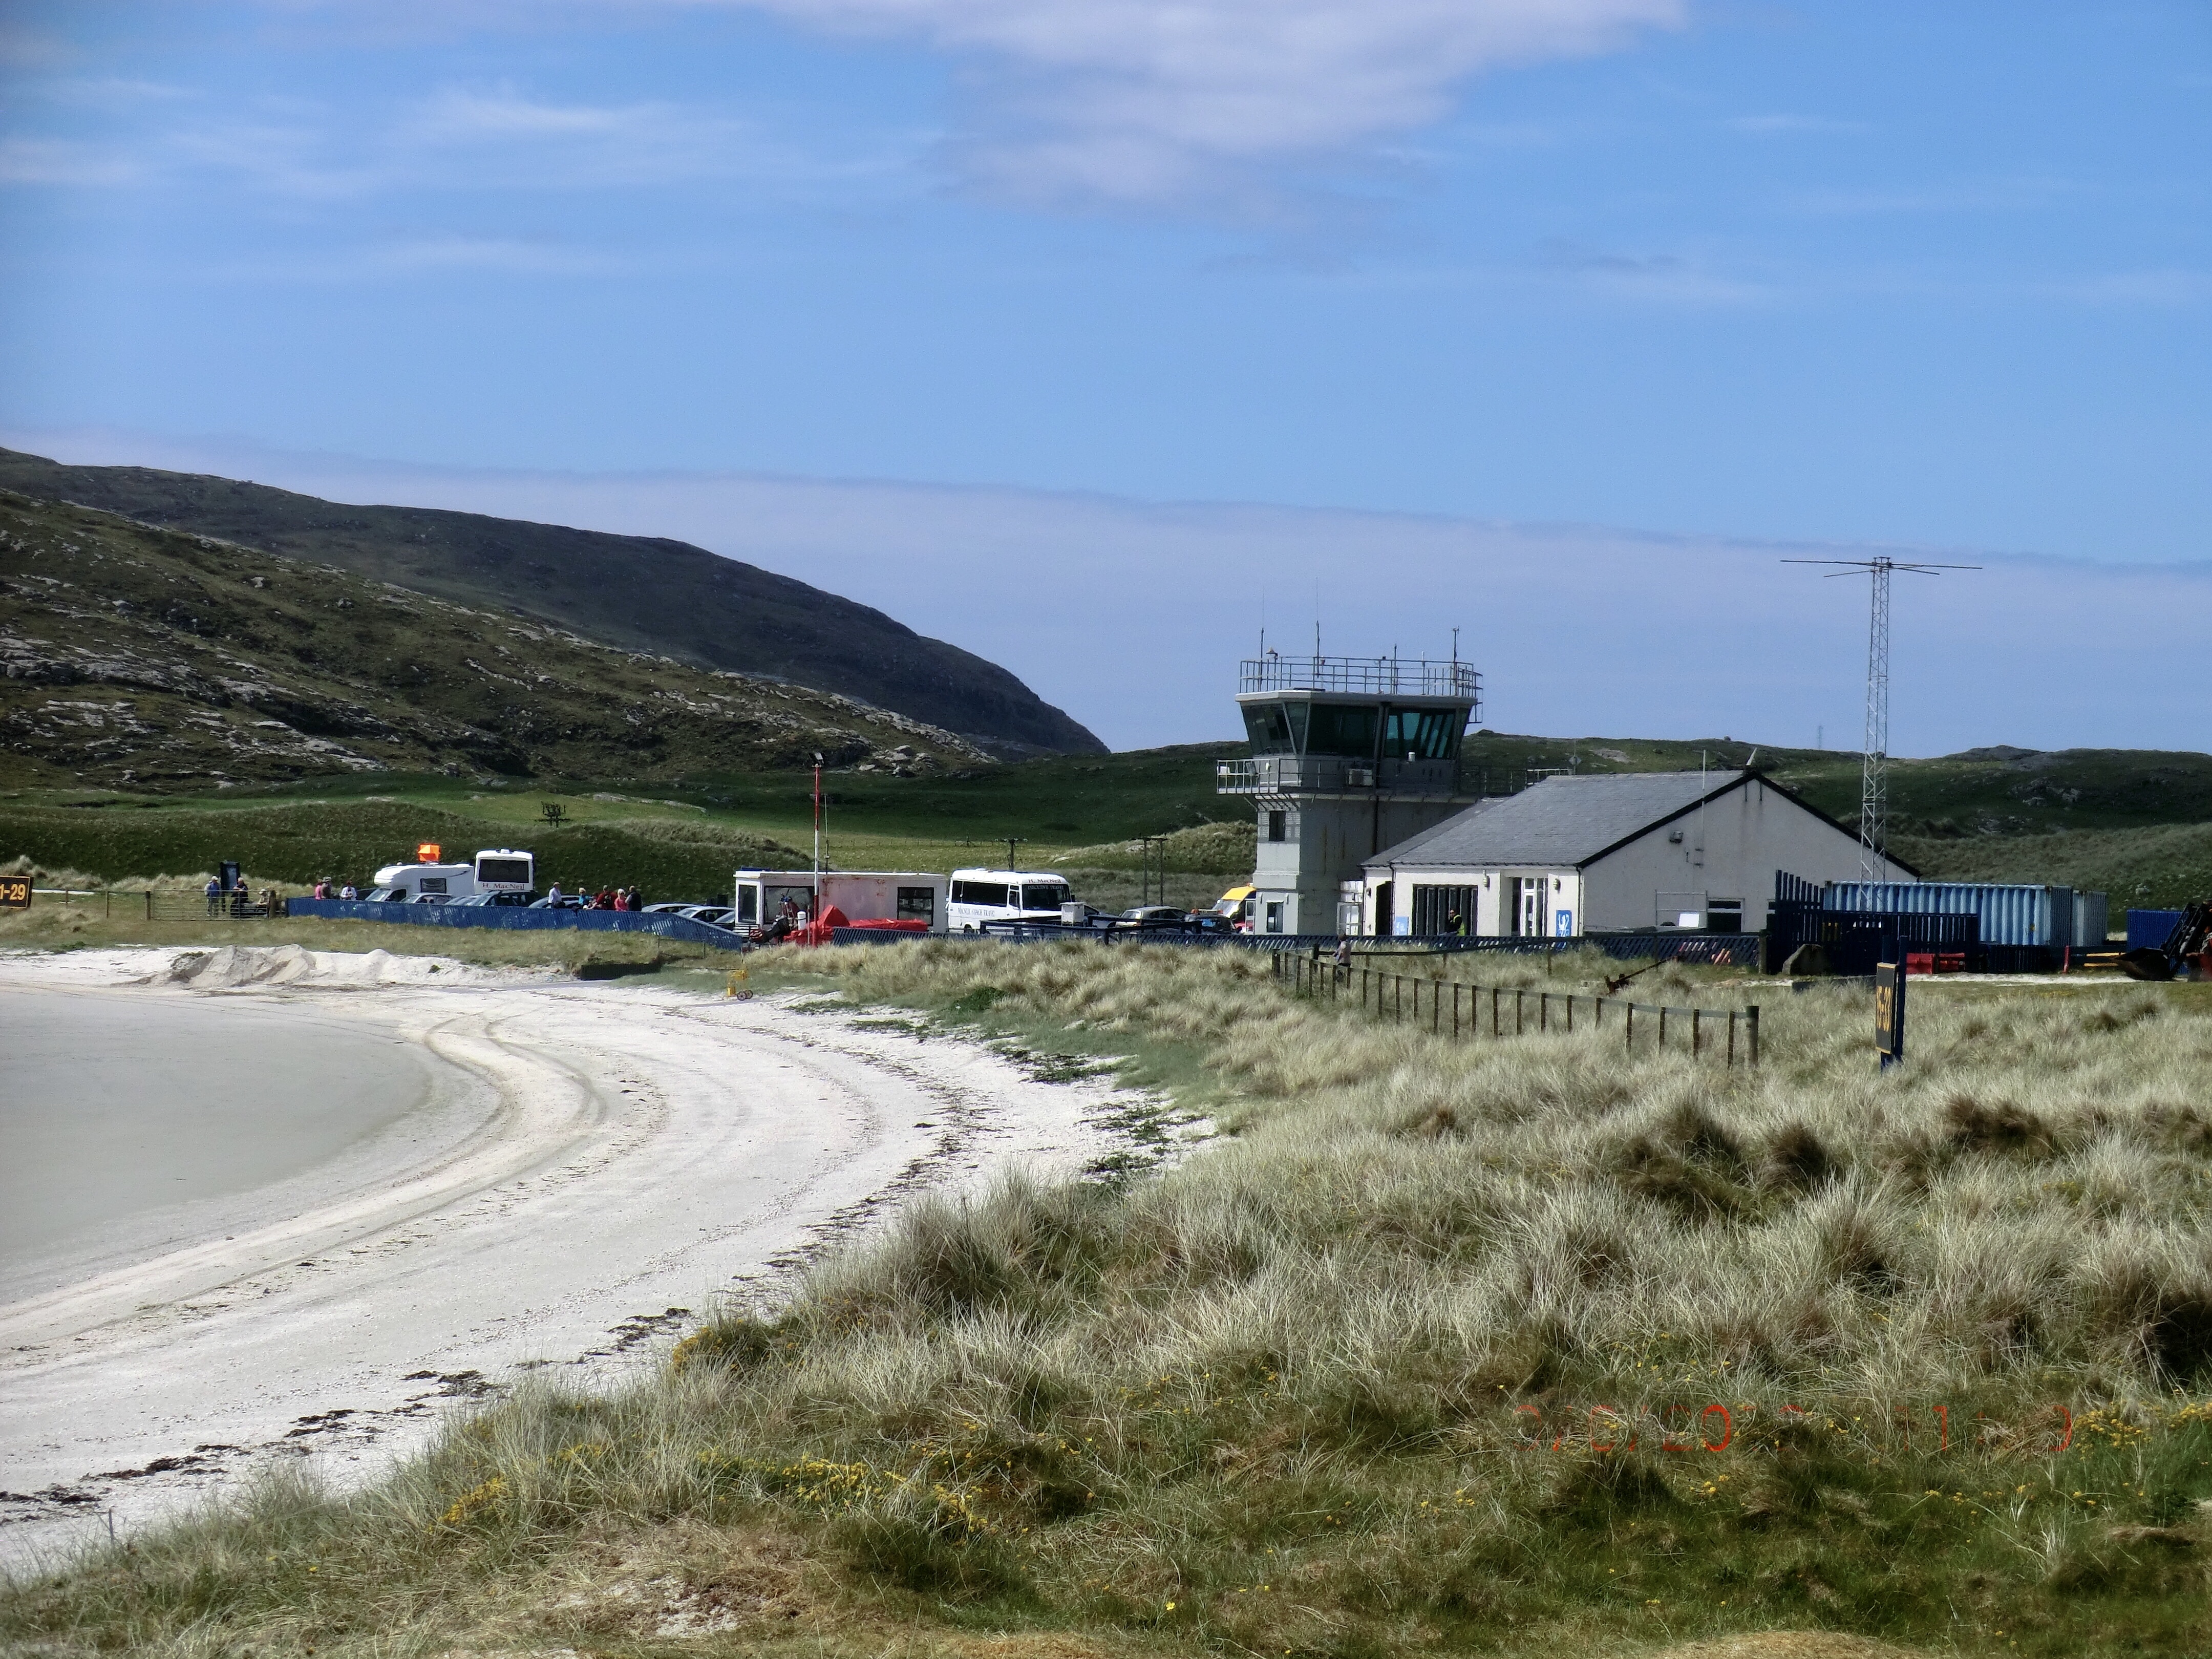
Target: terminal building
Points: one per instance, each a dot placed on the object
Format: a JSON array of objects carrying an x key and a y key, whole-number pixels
[{"x": 1610, "y": 852}]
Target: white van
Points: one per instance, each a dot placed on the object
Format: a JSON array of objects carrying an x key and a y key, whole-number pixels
[
  {"x": 981, "y": 895},
  {"x": 862, "y": 895},
  {"x": 494, "y": 869}
]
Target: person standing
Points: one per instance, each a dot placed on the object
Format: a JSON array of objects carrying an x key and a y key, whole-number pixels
[{"x": 213, "y": 890}]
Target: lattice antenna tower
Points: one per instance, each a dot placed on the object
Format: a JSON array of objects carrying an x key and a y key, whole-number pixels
[{"x": 1874, "y": 765}]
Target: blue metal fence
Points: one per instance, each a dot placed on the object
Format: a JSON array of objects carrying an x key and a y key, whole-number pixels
[
  {"x": 1855, "y": 940},
  {"x": 519, "y": 917}
]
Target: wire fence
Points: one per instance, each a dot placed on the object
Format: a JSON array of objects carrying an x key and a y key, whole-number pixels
[
  {"x": 1730, "y": 1034},
  {"x": 127, "y": 904}
]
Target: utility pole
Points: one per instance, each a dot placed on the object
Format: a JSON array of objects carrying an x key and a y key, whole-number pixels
[
  {"x": 1874, "y": 765},
  {"x": 818, "y": 832},
  {"x": 1012, "y": 841}
]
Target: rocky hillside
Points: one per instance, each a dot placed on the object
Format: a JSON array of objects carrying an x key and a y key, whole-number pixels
[
  {"x": 143, "y": 658},
  {"x": 636, "y": 592}
]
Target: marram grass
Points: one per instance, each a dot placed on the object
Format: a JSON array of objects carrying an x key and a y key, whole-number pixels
[{"x": 1522, "y": 1345}]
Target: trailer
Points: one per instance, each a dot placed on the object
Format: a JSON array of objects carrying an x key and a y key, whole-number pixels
[{"x": 864, "y": 895}]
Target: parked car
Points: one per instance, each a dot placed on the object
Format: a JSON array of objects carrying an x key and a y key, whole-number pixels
[
  {"x": 485, "y": 901},
  {"x": 565, "y": 902},
  {"x": 1155, "y": 915},
  {"x": 716, "y": 915}
]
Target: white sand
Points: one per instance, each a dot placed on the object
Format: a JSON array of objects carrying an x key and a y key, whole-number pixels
[{"x": 604, "y": 1159}]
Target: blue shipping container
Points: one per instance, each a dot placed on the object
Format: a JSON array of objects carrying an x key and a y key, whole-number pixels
[
  {"x": 2009, "y": 915},
  {"x": 2149, "y": 930}
]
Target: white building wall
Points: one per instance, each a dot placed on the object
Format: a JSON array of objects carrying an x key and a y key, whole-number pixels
[
  {"x": 1494, "y": 897},
  {"x": 1730, "y": 849}
]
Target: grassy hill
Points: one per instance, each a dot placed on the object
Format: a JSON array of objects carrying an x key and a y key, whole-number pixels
[
  {"x": 636, "y": 592},
  {"x": 144, "y": 658}
]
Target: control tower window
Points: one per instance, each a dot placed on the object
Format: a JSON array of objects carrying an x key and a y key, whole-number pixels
[
  {"x": 1421, "y": 734},
  {"x": 1269, "y": 728},
  {"x": 1339, "y": 728}
]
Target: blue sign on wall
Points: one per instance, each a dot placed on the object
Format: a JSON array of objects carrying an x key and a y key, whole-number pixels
[{"x": 1562, "y": 924}]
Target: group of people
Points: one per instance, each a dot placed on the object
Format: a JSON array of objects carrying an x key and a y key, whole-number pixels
[
  {"x": 607, "y": 898},
  {"x": 324, "y": 889}
]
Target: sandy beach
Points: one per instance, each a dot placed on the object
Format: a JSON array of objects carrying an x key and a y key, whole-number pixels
[{"x": 435, "y": 1181}]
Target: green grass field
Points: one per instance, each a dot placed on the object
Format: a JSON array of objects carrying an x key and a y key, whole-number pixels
[{"x": 1526, "y": 1347}]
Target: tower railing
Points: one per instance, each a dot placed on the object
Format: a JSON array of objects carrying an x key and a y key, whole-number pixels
[{"x": 1413, "y": 676}]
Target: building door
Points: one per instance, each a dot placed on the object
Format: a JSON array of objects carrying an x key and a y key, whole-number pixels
[{"x": 1532, "y": 890}]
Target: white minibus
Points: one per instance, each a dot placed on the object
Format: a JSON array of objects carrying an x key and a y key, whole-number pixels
[{"x": 981, "y": 895}]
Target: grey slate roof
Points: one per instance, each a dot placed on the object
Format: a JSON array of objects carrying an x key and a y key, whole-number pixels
[{"x": 1559, "y": 822}]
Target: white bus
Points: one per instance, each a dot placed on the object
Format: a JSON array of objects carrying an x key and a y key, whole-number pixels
[
  {"x": 981, "y": 895},
  {"x": 862, "y": 895},
  {"x": 494, "y": 869}
]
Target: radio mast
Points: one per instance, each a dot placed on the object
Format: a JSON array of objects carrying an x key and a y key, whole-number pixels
[{"x": 1874, "y": 765}]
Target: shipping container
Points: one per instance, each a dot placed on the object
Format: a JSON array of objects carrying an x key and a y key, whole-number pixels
[
  {"x": 2149, "y": 930},
  {"x": 2009, "y": 915},
  {"x": 2093, "y": 921}
]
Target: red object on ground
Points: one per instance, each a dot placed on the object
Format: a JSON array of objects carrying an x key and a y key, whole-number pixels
[
  {"x": 1935, "y": 962},
  {"x": 818, "y": 932}
]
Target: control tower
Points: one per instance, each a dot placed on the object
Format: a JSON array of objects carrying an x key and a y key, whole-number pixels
[{"x": 1350, "y": 755}]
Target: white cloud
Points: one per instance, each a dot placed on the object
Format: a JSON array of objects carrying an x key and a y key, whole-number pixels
[
  {"x": 66, "y": 163},
  {"x": 461, "y": 137},
  {"x": 1141, "y": 101}
]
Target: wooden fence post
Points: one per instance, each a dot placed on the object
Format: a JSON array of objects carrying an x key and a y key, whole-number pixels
[
  {"x": 1697, "y": 1031},
  {"x": 1731, "y": 1053},
  {"x": 1629, "y": 1042},
  {"x": 1751, "y": 1016}
]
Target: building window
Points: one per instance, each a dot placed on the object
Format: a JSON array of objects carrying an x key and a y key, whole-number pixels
[
  {"x": 1274, "y": 915},
  {"x": 1724, "y": 916},
  {"x": 1279, "y": 826},
  {"x": 917, "y": 904},
  {"x": 1442, "y": 909}
]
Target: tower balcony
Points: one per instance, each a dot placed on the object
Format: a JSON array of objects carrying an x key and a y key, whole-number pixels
[
  {"x": 1331, "y": 775},
  {"x": 1373, "y": 676}
]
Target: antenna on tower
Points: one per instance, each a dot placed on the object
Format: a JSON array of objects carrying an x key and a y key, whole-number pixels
[{"x": 1874, "y": 765}]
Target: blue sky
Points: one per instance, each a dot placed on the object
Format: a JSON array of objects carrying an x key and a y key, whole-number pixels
[{"x": 1729, "y": 273}]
